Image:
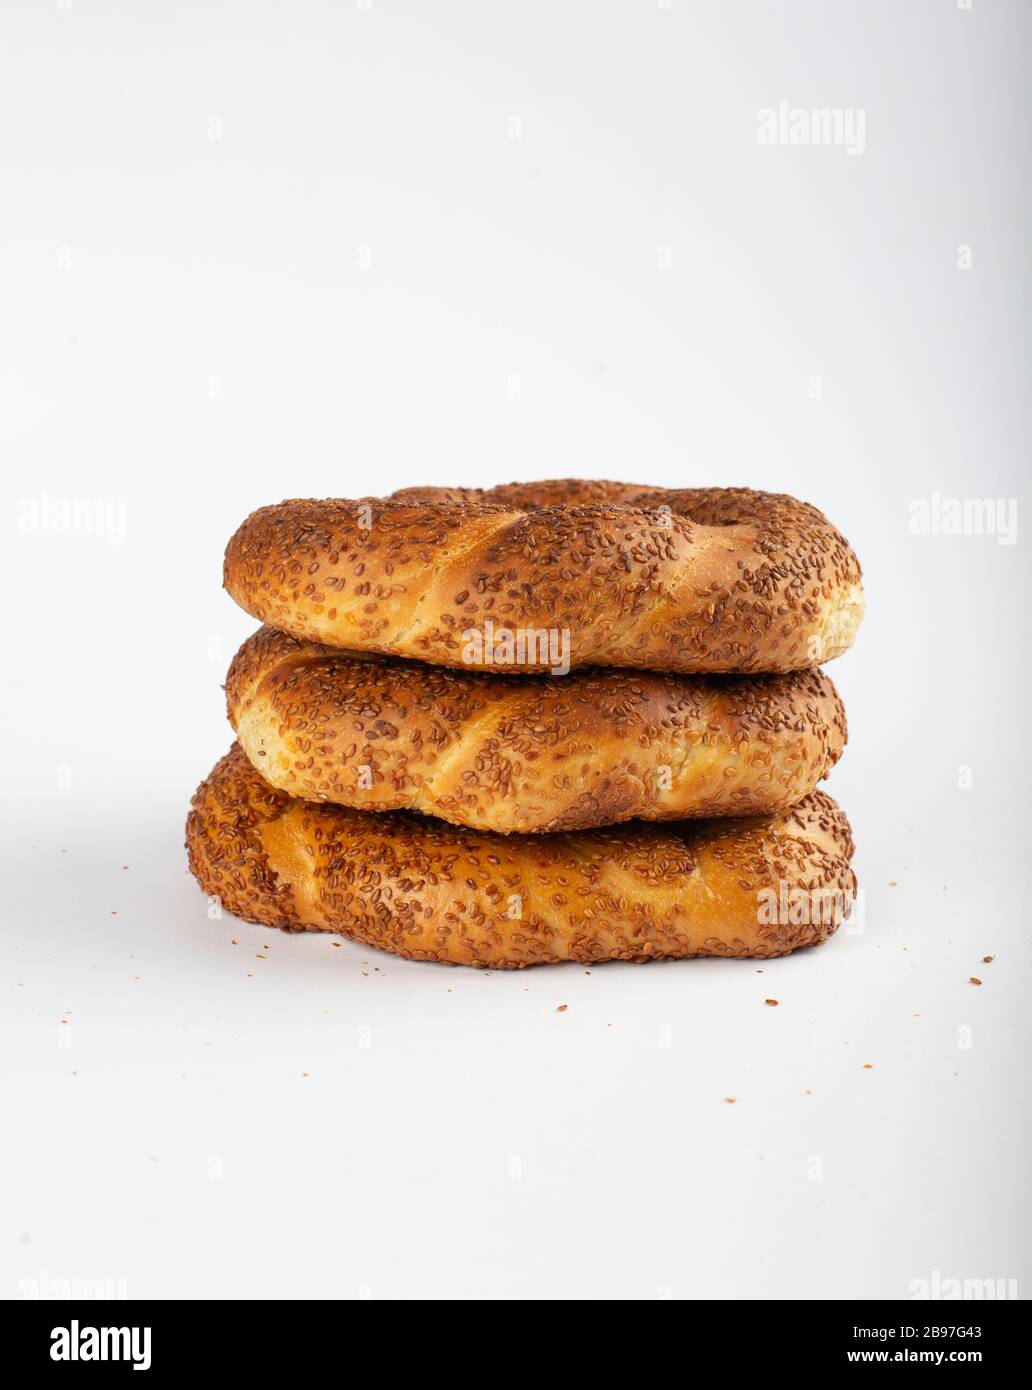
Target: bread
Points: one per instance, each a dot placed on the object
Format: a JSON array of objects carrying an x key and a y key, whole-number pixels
[
  {"x": 759, "y": 886},
  {"x": 511, "y": 754},
  {"x": 549, "y": 576}
]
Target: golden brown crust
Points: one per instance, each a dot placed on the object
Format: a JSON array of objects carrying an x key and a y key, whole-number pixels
[
  {"x": 509, "y": 754},
  {"x": 760, "y": 886},
  {"x": 687, "y": 580}
]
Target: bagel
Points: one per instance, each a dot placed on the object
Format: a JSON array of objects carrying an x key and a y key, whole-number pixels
[
  {"x": 759, "y": 886},
  {"x": 510, "y": 754},
  {"x": 554, "y": 575}
]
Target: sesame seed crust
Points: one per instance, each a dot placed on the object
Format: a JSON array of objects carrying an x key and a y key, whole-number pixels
[
  {"x": 435, "y": 892},
  {"x": 508, "y": 754},
  {"x": 685, "y": 580}
]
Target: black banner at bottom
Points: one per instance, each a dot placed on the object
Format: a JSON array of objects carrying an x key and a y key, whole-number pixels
[{"x": 168, "y": 1340}]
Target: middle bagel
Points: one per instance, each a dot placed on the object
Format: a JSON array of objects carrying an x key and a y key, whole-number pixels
[{"x": 524, "y": 755}]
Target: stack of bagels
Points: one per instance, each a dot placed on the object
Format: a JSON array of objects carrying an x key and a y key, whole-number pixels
[{"x": 534, "y": 723}]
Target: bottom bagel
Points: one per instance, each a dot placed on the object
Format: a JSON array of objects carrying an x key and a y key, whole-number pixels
[{"x": 753, "y": 886}]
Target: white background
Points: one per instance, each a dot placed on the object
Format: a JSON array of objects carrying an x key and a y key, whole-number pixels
[{"x": 366, "y": 282}]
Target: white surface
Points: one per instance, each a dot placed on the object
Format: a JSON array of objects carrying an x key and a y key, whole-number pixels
[{"x": 140, "y": 259}]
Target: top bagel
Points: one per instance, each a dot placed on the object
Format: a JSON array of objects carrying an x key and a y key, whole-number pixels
[{"x": 553, "y": 575}]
